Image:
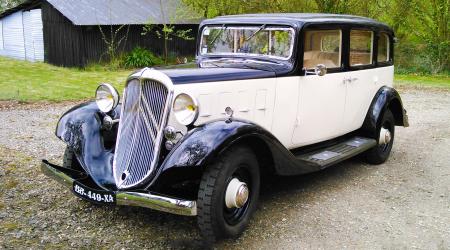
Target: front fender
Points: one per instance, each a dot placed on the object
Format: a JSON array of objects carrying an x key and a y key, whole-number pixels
[
  {"x": 81, "y": 129},
  {"x": 199, "y": 147},
  {"x": 203, "y": 144}
]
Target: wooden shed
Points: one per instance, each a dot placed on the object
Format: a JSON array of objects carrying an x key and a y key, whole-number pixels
[{"x": 71, "y": 30}]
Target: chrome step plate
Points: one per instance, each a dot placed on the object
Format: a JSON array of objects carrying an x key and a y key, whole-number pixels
[{"x": 336, "y": 153}]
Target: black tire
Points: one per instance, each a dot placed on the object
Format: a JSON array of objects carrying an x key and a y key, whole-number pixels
[
  {"x": 70, "y": 160},
  {"x": 380, "y": 153},
  {"x": 215, "y": 220}
]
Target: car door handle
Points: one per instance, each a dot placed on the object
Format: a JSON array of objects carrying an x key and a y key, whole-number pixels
[{"x": 349, "y": 79}]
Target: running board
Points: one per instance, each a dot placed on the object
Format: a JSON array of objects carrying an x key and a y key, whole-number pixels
[{"x": 325, "y": 157}]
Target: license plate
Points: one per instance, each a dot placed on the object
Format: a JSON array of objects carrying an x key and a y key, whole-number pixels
[{"x": 93, "y": 195}]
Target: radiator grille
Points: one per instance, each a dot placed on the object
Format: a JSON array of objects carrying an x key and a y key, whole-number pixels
[{"x": 140, "y": 131}]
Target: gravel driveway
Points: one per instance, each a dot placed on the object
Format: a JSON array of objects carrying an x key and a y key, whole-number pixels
[{"x": 404, "y": 203}]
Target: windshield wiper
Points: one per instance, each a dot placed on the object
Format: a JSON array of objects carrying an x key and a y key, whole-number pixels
[
  {"x": 256, "y": 32},
  {"x": 214, "y": 64},
  {"x": 262, "y": 66},
  {"x": 219, "y": 34}
]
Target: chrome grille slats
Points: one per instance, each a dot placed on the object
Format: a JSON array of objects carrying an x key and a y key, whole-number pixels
[{"x": 144, "y": 112}]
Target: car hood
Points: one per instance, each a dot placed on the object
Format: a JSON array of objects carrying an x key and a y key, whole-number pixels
[
  {"x": 199, "y": 75},
  {"x": 224, "y": 70}
]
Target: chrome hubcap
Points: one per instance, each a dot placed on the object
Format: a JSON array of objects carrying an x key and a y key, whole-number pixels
[
  {"x": 236, "y": 194},
  {"x": 385, "y": 136}
]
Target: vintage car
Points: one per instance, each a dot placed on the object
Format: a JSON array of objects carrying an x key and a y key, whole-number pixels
[{"x": 269, "y": 94}]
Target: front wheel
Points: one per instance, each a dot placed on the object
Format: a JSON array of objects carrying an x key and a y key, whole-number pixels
[
  {"x": 380, "y": 153},
  {"x": 228, "y": 194},
  {"x": 70, "y": 160}
]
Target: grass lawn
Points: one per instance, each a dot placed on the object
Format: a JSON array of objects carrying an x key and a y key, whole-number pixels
[
  {"x": 31, "y": 82},
  {"x": 437, "y": 81}
]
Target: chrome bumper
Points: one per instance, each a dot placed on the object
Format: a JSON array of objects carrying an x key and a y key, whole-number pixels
[{"x": 123, "y": 198}]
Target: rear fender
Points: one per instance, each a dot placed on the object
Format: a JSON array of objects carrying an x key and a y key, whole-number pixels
[{"x": 386, "y": 98}]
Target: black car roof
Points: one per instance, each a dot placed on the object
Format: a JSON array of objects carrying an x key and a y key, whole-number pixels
[{"x": 296, "y": 19}]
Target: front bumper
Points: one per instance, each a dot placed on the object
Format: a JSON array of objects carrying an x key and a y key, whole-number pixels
[{"x": 126, "y": 198}]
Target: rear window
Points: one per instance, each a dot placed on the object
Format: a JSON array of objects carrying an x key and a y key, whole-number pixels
[
  {"x": 361, "y": 47},
  {"x": 383, "y": 48}
]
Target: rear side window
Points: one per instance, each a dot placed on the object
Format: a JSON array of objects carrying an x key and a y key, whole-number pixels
[
  {"x": 322, "y": 47},
  {"x": 383, "y": 48},
  {"x": 361, "y": 47}
]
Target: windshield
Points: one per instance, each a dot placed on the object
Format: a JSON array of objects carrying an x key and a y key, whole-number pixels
[{"x": 255, "y": 41}]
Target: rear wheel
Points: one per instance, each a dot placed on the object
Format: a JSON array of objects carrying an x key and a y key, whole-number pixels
[
  {"x": 380, "y": 153},
  {"x": 228, "y": 194}
]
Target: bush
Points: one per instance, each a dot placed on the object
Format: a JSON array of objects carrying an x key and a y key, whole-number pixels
[
  {"x": 107, "y": 64},
  {"x": 141, "y": 57}
]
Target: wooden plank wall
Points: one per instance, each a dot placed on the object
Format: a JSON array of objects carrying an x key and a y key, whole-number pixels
[{"x": 76, "y": 46}]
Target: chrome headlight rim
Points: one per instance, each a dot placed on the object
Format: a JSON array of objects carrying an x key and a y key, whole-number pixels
[
  {"x": 195, "y": 115},
  {"x": 115, "y": 97}
]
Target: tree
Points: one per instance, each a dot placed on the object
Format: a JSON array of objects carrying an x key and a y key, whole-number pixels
[
  {"x": 433, "y": 27},
  {"x": 114, "y": 40},
  {"x": 167, "y": 30},
  {"x": 6, "y": 4}
]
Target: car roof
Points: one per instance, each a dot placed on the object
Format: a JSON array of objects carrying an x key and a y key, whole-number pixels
[{"x": 296, "y": 19}]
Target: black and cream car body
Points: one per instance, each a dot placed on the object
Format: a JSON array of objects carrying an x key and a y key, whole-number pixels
[{"x": 282, "y": 94}]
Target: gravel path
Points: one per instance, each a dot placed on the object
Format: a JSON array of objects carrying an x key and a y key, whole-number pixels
[
  {"x": 32, "y": 131},
  {"x": 404, "y": 203}
]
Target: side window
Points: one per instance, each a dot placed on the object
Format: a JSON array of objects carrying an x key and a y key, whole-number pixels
[
  {"x": 383, "y": 48},
  {"x": 361, "y": 47},
  {"x": 322, "y": 47}
]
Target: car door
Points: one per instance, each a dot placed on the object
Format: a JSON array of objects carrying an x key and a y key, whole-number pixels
[
  {"x": 321, "y": 103},
  {"x": 361, "y": 80}
]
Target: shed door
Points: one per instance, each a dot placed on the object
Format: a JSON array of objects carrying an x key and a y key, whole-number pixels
[
  {"x": 13, "y": 40},
  {"x": 34, "y": 39},
  {"x": 1, "y": 36},
  {"x": 28, "y": 36}
]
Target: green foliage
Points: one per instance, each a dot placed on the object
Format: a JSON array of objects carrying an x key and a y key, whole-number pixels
[
  {"x": 167, "y": 30},
  {"x": 6, "y": 4},
  {"x": 433, "y": 30},
  {"x": 141, "y": 57},
  {"x": 114, "y": 39}
]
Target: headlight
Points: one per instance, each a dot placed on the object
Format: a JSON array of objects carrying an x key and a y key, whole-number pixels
[
  {"x": 185, "y": 109},
  {"x": 106, "y": 97}
]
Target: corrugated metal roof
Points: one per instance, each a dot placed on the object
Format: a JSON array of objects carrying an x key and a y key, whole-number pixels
[{"x": 112, "y": 12}]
